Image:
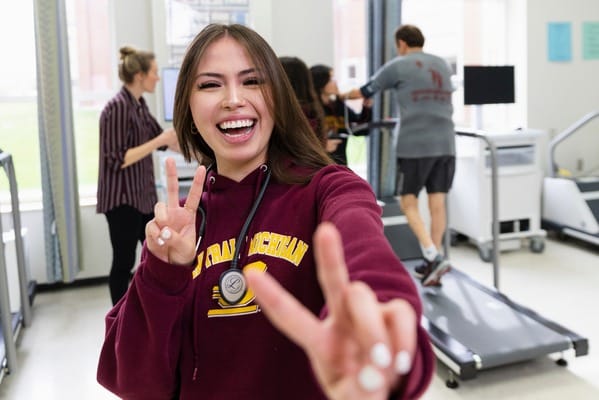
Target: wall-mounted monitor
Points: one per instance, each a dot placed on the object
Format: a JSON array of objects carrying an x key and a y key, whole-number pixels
[
  {"x": 489, "y": 84},
  {"x": 169, "y": 84}
]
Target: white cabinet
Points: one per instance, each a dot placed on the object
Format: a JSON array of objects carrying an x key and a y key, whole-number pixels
[{"x": 520, "y": 175}]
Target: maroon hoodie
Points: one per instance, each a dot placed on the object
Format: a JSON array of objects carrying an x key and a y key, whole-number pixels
[{"x": 173, "y": 337}]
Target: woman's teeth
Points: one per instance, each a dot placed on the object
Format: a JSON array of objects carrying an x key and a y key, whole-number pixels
[{"x": 241, "y": 123}]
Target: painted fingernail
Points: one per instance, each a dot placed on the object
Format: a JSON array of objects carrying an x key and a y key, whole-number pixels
[
  {"x": 380, "y": 355},
  {"x": 403, "y": 363},
  {"x": 160, "y": 242},
  {"x": 166, "y": 234},
  {"x": 370, "y": 378}
]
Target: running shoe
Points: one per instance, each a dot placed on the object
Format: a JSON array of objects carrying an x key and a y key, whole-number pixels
[
  {"x": 422, "y": 269},
  {"x": 437, "y": 268}
]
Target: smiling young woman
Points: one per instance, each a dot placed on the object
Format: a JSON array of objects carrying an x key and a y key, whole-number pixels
[{"x": 273, "y": 279}]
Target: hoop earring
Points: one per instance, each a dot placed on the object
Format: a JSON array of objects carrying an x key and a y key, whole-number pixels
[{"x": 194, "y": 129}]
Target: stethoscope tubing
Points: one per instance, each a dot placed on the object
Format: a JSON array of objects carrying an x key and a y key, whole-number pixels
[{"x": 245, "y": 226}]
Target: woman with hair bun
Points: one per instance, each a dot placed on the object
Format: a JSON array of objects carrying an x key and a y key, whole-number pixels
[{"x": 126, "y": 185}]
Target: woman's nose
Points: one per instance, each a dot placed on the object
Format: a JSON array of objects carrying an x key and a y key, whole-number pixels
[{"x": 233, "y": 99}]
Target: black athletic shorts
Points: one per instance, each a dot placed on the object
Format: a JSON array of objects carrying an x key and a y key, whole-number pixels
[{"x": 434, "y": 173}]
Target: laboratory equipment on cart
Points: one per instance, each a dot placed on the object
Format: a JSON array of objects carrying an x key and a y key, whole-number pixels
[{"x": 520, "y": 175}]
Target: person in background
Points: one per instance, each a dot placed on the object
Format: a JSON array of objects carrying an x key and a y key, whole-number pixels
[
  {"x": 425, "y": 151},
  {"x": 126, "y": 185},
  {"x": 337, "y": 114},
  {"x": 273, "y": 279},
  {"x": 301, "y": 80}
]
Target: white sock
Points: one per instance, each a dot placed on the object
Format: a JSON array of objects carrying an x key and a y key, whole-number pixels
[{"x": 430, "y": 252}]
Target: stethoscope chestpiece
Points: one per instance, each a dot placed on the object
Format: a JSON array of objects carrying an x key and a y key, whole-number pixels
[{"x": 232, "y": 286}]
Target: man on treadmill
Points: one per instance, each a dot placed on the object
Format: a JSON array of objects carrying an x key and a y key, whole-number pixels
[{"x": 421, "y": 84}]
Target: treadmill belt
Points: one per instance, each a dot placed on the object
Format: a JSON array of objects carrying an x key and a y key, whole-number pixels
[{"x": 486, "y": 322}]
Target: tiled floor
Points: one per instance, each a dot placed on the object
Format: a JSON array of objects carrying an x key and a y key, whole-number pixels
[{"x": 58, "y": 352}]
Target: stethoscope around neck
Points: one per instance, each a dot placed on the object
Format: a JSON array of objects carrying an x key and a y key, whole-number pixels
[{"x": 231, "y": 284}]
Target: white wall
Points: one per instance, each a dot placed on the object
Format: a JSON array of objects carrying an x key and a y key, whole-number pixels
[
  {"x": 302, "y": 29},
  {"x": 132, "y": 25},
  {"x": 95, "y": 257},
  {"x": 559, "y": 93}
]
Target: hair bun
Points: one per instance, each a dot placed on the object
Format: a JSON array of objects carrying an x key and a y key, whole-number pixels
[{"x": 127, "y": 51}]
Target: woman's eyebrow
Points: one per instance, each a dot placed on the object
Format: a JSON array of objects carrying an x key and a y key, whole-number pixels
[
  {"x": 248, "y": 71},
  {"x": 219, "y": 75},
  {"x": 209, "y": 74}
]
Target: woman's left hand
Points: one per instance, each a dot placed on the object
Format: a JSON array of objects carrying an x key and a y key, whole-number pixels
[{"x": 363, "y": 347}]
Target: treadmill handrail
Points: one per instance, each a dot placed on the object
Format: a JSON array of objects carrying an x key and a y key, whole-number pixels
[
  {"x": 494, "y": 200},
  {"x": 6, "y": 162},
  {"x": 562, "y": 136},
  {"x": 385, "y": 123}
]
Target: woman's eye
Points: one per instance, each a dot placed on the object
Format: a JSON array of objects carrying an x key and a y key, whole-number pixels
[
  {"x": 253, "y": 81},
  {"x": 207, "y": 85}
]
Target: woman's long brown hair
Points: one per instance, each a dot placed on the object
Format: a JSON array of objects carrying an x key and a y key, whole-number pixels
[{"x": 292, "y": 140}]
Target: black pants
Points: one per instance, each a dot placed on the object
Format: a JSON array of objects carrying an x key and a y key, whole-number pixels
[{"x": 127, "y": 226}]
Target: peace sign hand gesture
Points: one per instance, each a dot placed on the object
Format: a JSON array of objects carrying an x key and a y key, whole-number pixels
[
  {"x": 362, "y": 348},
  {"x": 171, "y": 235}
]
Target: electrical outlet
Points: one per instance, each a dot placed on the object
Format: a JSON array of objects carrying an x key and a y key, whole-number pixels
[{"x": 579, "y": 164}]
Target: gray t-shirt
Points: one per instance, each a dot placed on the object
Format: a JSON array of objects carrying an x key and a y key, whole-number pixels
[{"x": 421, "y": 84}]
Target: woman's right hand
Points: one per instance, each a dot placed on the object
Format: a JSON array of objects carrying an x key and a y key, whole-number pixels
[
  {"x": 169, "y": 138},
  {"x": 171, "y": 235},
  {"x": 362, "y": 349}
]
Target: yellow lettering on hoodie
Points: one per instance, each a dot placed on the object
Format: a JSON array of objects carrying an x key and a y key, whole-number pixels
[
  {"x": 218, "y": 253},
  {"x": 198, "y": 268},
  {"x": 276, "y": 245},
  {"x": 215, "y": 253}
]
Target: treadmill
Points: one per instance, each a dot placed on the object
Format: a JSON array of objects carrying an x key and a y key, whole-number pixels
[
  {"x": 571, "y": 204},
  {"x": 11, "y": 322},
  {"x": 473, "y": 327}
]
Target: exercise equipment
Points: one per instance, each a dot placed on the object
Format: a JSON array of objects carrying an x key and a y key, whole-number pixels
[
  {"x": 571, "y": 204},
  {"x": 473, "y": 327},
  {"x": 11, "y": 322}
]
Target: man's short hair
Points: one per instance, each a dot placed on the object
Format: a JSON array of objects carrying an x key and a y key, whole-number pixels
[{"x": 409, "y": 34}]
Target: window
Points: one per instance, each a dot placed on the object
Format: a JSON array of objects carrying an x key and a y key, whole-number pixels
[
  {"x": 93, "y": 68},
  {"x": 350, "y": 65},
  {"x": 451, "y": 32},
  {"x": 18, "y": 100},
  {"x": 465, "y": 33},
  {"x": 186, "y": 18}
]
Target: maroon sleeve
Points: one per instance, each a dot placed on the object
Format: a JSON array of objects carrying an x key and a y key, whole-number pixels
[
  {"x": 348, "y": 201},
  {"x": 142, "y": 341}
]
